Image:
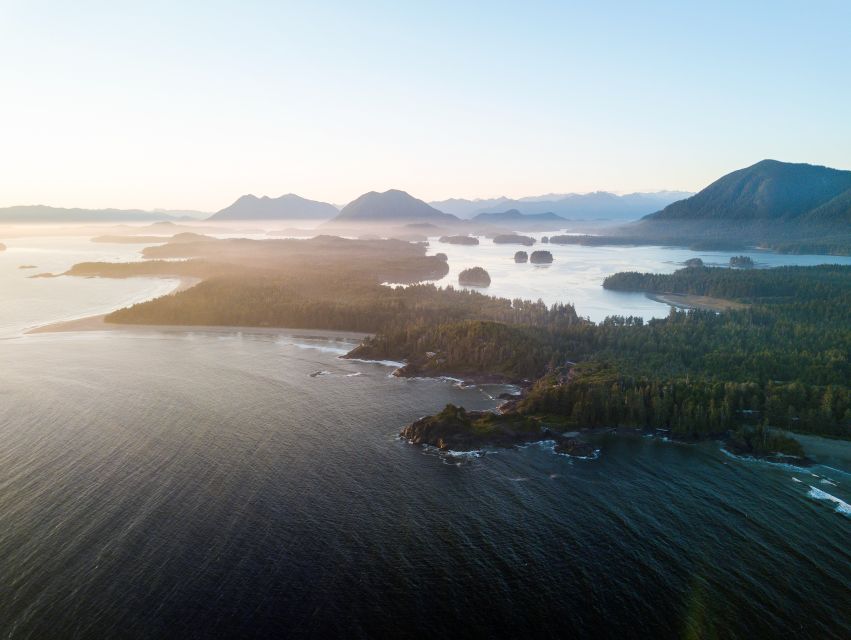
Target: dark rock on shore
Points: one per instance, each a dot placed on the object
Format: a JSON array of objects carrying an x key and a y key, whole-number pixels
[
  {"x": 521, "y": 256},
  {"x": 573, "y": 447},
  {"x": 541, "y": 257}
]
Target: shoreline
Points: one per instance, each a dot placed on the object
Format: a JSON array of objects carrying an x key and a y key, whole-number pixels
[
  {"x": 689, "y": 301},
  {"x": 98, "y": 322}
]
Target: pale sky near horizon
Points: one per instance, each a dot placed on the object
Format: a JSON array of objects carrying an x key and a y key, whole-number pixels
[{"x": 190, "y": 104}]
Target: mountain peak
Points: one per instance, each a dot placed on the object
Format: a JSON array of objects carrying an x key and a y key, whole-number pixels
[
  {"x": 286, "y": 207},
  {"x": 769, "y": 190},
  {"x": 391, "y": 205}
]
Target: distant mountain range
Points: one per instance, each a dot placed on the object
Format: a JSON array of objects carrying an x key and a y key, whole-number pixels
[
  {"x": 791, "y": 207},
  {"x": 44, "y": 214},
  {"x": 600, "y": 205},
  {"x": 287, "y": 207},
  {"x": 391, "y": 206},
  {"x": 520, "y": 221}
]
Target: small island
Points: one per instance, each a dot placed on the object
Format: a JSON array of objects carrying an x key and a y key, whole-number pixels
[
  {"x": 513, "y": 238},
  {"x": 741, "y": 262},
  {"x": 521, "y": 256},
  {"x": 28, "y": 266},
  {"x": 474, "y": 277},
  {"x": 541, "y": 257},
  {"x": 693, "y": 263},
  {"x": 545, "y": 240},
  {"x": 467, "y": 240}
]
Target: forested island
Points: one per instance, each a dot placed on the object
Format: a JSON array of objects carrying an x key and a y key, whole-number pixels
[
  {"x": 513, "y": 238},
  {"x": 541, "y": 257},
  {"x": 465, "y": 240},
  {"x": 781, "y": 360},
  {"x": 474, "y": 277}
]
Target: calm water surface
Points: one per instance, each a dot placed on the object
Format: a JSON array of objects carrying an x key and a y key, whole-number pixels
[
  {"x": 207, "y": 484},
  {"x": 577, "y": 273}
]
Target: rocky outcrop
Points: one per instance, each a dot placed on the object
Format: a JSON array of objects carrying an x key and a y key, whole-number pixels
[
  {"x": 456, "y": 429},
  {"x": 521, "y": 256}
]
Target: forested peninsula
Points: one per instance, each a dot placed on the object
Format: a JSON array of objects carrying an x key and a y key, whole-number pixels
[{"x": 782, "y": 361}]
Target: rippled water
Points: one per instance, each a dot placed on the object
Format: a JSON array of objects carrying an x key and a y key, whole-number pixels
[{"x": 238, "y": 484}]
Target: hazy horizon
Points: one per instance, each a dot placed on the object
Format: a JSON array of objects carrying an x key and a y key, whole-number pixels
[{"x": 188, "y": 107}]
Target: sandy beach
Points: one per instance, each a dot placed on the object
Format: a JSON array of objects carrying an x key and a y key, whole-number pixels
[
  {"x": 98, "y": 322},
  {"x": 687, "y": 301}
]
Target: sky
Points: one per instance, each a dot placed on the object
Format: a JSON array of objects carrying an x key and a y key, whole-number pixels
[{"x": 190, "y": 104}]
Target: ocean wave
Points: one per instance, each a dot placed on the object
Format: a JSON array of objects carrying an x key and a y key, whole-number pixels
[
  {"x": 841, "y": 506},
  {"x": 593, "y": 456},
  {"x": 476, "y": 453},
  {"x": 354, "y": 375},
  {"x": 315, "y": 347},
  {"x": 830, "y": 482},
  {"x": 321, "y": 372},
  {"x": 383, "y": 363},
  {"x": 781, "y": 465},
  {"x": 794, "y": 479}
]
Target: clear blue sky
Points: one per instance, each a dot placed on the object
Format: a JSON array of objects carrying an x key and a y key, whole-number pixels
[{"x": 189, "y": 104}]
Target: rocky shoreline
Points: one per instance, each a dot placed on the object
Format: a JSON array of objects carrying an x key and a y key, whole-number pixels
[{"x": 456, "y": 429}]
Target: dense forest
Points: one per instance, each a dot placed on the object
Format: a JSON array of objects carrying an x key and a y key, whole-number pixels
[{"x": 782, "y": 360}]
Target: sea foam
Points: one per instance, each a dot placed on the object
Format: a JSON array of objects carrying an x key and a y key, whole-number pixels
[{"x": 841, "y": 506}]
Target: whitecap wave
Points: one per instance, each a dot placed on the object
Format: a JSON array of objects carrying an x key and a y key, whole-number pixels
[
  {"x": 383, "y": 363},
  {"x": 477, "y": 453},
  {"x": 830, "y": 482},
  {"x": 794, "y": 479},
  {"x": 316, "y": 347},
  {"x": 781, "y": 465},
  {"x": 841, "y": 506}
]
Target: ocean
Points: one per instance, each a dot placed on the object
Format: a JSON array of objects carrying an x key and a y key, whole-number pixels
[{"x": 201, "y": 484}]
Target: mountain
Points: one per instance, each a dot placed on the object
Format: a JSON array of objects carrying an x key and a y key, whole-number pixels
[
  {"x": 468, "y": 208},
  {"x": 600, "y": 205},
  {"x": 287, "y": 207},
  {"x": 769, "y": 191},
  {"x": 513, "y": 215},
  {"x": 391, "y": 206},
  {"x": 513, "y": 218},
  {"x": 44, "y": 214},
  {"x": 791, "y": 208}
]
